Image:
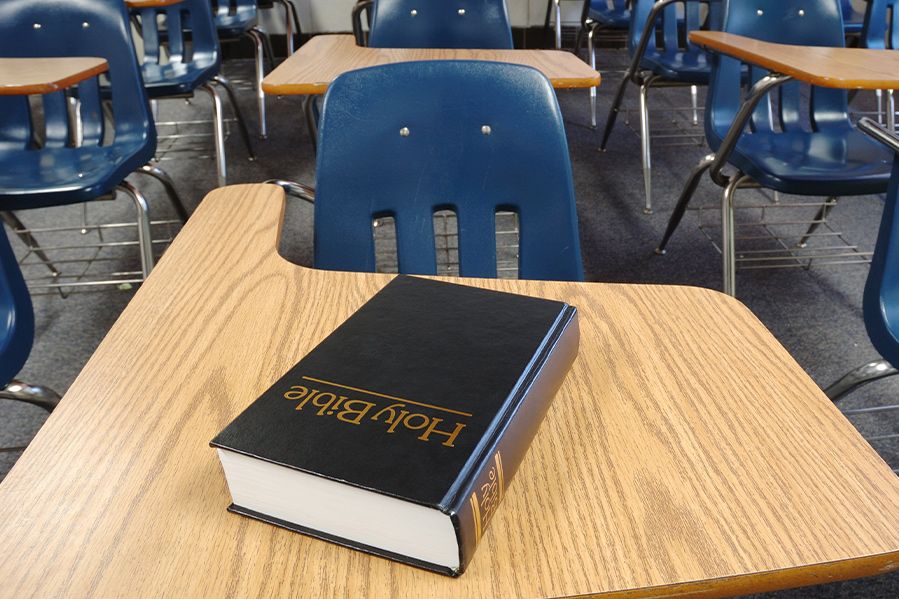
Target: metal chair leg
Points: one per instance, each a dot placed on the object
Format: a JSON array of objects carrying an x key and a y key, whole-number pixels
[
  {"x": 28, "y": 239},
  {"x": 288, "y": 23},
  {"x": 891, "y": 111},
  {"x": 219, "y": 132},
  {"x": 267, "y": 46},
  {"x": 645, "y": 144},
  {"x": 591, "y": 53},
  {"x": 866, "y": 373},
  {"x": 613, "y": 114},
  {"x": 154, "y": 170},
  {"x": 241, "y": 121},
  {"x": 728, "y": 249},
  {"x": 76, "y": 132},
  {"x": 685, "y": 196},
  {"x": 260, "y": 95},
  {"x": 579, "y": 38},
  {"x": 558, "y": 27},
  {"x": 36, "y": 395},
  {"x": 311, "y": 121},
  {"x": 144, "y": 234},
  {"x": 694, "y": 99}
]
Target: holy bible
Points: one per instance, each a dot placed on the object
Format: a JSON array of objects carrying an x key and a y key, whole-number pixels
[{"x": 399, "y": 433}]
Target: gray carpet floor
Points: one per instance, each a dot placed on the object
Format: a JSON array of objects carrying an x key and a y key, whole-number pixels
[{"x": 815, "y": 313}]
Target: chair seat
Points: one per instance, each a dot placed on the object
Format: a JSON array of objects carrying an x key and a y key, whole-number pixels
[
  {"x": 58, "y": 176},
  {"x": 237, "y": 24},
  {"x": 839, "y": 161},
  {"x": 178, "y": 78},
  {"x": 686, "y": 66},
  {"x": 615, "y": 18}
]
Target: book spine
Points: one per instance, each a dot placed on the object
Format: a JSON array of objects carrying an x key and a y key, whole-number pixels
[{"x": 479, "y": 500}]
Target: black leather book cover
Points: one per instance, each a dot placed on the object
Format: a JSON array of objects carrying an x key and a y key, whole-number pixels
[{"x": 431, "y": 392}]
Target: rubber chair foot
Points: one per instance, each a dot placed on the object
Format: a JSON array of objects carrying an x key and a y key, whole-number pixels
[{"x": 660, "y": 252}]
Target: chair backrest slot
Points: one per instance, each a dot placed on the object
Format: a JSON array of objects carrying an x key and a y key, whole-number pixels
[
  {"x": 446, "y": 241},
  {"x": 383, "y": 229},
  {"x": 880, "y": 30}
]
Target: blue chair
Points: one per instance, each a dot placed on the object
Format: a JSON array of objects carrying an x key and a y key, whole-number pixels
[
  {"x": 598, "y": 15},
  {"x": 234, "y": 20},
  {"x": 193, "y": 61},
  {"x": 416, "y": 24},
  {"x": 880, "y": 31},
  {"x": 661, "y": 55},
  {"x": 805, "y": 150},
  {"x": 17, "y": 335},
  {"x": 472, "y": 137},
  {"x": 615, "y": 14},
  {"x": 880, "y": 305},
  {"x": 75, "y": 161}
]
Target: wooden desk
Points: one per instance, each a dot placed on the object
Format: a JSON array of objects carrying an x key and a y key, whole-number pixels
[
  {"x": 27, "y": 76},
  {"x": 843, "y": 68},
  {"x": 686, "y": 451},
  {"x": 320, "y": 60}
]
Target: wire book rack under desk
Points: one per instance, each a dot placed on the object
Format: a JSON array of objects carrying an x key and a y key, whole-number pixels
[{"x": 774, "y": 232}]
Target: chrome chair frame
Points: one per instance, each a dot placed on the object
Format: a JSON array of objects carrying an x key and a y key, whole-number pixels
[
  {"x": 645, "y": 80},
  {"x": 36, "y": 395},
  {"x": 714, "y": 163},
  {"x": 881, "y": 368}
]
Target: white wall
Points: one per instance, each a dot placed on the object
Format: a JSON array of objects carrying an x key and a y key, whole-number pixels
[{"x": 334, "y": 15}]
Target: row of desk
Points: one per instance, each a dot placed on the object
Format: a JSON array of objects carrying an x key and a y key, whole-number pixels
[{"x": 686, "y": 453}]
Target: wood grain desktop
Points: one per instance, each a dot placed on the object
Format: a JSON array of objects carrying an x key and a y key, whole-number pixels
[
  {"x": 27, "y": 76},
  {"x": 686, "y": 452},
  {"x": 843, "y": 68},
  {"x": 320, "y": 60}
]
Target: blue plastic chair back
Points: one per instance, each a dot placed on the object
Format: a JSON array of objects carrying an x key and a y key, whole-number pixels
[
  {"x": 57, "y": 28},
  {"x": 191, "y": 43},
  {"x": 780, "y": 21},
  {"x": 881, "y": 299},
  {"x": 16, "y": 315},
  {"x": 233, "y": 18},
  {"x": 881, "y": 25},
  {"x": 458, "y": 24},
  {"x": 411, "y": 139},
  {"x": 670, "y": 53},
  {"x": 614, "y": 13}
]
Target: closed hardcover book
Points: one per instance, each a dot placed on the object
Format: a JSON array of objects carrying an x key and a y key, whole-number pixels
[{"x": 399, "y": 433}]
